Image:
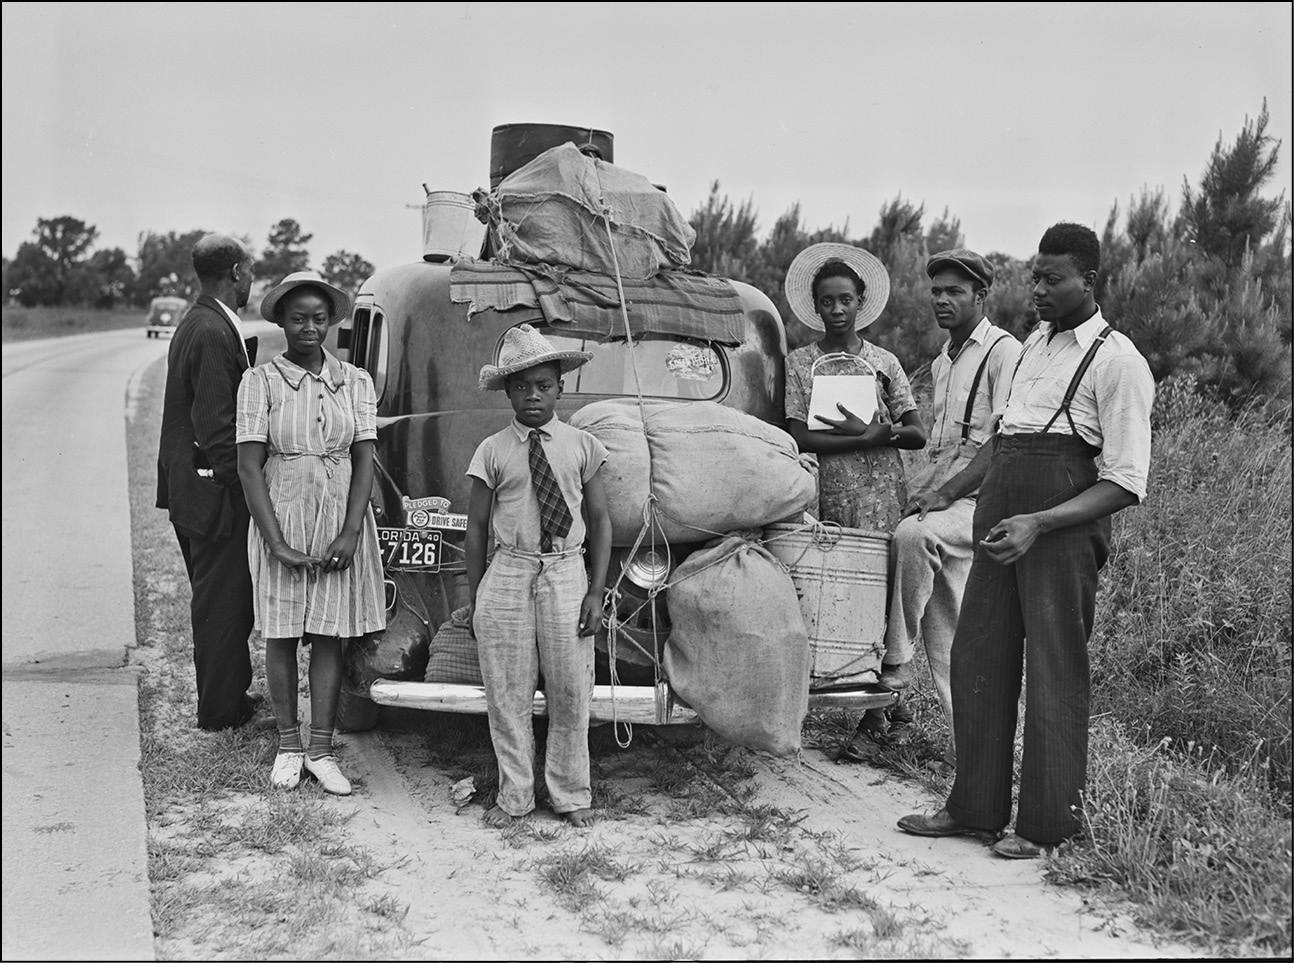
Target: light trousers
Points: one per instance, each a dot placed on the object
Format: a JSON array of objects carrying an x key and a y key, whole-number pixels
[
  {"x": 527, "y": 622},
  {"x": 930, "y": 559}
]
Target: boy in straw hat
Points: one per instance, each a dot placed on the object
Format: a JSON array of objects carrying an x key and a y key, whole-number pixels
[{"x": 536, "y": 488}]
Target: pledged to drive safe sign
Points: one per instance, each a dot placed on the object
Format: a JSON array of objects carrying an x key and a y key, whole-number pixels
[{"x": 418, "y": 547}]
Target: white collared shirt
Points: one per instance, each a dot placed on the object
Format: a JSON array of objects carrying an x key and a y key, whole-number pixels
[
  {"x": 952, "y": 384},
  {"x": 1111, "y": 409},
  {"x": 236, "y": 321}
]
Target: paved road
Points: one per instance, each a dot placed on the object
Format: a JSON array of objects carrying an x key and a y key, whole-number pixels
[{"x": 75, "y": 862}]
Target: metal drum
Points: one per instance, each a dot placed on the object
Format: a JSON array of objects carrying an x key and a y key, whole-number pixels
[
  {"x": 513, "y": 146},
  {"x": 841, "y": 576}
]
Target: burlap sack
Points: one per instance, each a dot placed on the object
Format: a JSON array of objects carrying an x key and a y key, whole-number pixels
[
  {"x": 713, "y": 469},
  {"x": 738, "y": 653}
]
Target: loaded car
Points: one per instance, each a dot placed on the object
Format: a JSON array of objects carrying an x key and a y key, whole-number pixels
[
  {"x": 669, "y": 340},
  {"x": 164, "y": 314}
]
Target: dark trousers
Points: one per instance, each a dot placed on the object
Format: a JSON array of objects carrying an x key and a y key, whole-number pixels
[
  {"x": 1034, "y": 615},
  {"x": 222, "y": 618}
]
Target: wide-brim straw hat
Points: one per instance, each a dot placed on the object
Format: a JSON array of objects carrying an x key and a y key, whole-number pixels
[
  {"x": 523, "y": 347},
  {"x": 339, "y": 299},
  {"x": 799, "y": 282}
]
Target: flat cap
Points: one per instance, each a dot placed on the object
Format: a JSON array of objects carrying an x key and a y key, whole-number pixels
[{"x": 976, "y": 265}]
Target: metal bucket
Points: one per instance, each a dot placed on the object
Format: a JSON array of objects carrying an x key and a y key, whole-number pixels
[
  {"x": 449, "y": 226},
  {"x": 841, "y": 576}
]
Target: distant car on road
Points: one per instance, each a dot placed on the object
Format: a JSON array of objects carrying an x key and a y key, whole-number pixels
[{"x": 163, "y": 315}]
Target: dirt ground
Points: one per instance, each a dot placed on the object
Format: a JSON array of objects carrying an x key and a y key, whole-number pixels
[
  {"x": 795, "y": 858},
  {"x": 700, "y": 851}
]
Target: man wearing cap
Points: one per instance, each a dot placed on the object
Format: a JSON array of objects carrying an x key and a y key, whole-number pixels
[
  {"x": 930, "y": 554},
  {"x": 1072, "y": 448},
  {"x": 198, "y": 483}
]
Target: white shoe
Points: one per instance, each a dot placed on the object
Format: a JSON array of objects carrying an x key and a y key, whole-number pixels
[
  {"x": 287, "y": 769},
  {"x": 329, "y": 776}
]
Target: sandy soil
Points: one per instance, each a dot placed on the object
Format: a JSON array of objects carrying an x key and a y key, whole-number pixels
[{"x": 835, "y": 881}]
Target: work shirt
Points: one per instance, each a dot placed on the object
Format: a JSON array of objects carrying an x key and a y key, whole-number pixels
[
  {"x": 502, "y": 461},
  {"x": 237, "y": 323},
  {"x": 952, "y": 384},
  {"x": 1111, "y": 409}
]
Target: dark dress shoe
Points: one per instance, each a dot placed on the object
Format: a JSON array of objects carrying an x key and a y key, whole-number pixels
[{"x": 940, "y": 824}]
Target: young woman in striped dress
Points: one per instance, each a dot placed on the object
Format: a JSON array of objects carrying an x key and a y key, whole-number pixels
[{"x": 306, "y": 430}]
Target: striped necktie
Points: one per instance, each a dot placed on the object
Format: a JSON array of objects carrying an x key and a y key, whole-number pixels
[{"x": 554, "y": 514}]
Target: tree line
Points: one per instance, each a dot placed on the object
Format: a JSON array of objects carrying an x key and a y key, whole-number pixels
[
  {"x": 1203, "y": 291},
  {"x": 57, "y": 266}
]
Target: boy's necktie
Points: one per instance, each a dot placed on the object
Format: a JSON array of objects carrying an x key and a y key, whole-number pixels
[{"x": 554, "y": 514}]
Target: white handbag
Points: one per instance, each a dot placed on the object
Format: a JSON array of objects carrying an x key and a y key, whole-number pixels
[{"x": 856, "y": 391}]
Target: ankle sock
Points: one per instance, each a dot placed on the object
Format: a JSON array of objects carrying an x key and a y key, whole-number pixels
[
  {"x": 290, "y": 740},
  {"x": 320, "y": 743}
]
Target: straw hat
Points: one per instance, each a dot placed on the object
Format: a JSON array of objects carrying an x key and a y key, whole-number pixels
[
  {"x": 338, "y": 298},
  {"x": 523, "y": 347},
  {"x": 799, "y": 282}
]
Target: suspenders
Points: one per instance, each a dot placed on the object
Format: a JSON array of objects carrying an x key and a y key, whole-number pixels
[
  {"x": 1073, "y": 383},
  {"x": 970, "y": 399}
]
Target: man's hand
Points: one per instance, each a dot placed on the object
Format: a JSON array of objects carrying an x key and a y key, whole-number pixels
[
  {"x": 591, "y": 613},
  {"x": 872, "y": 433},
  {"x": 1009, "y": 539},
  {"x": 923, "y": 503}
]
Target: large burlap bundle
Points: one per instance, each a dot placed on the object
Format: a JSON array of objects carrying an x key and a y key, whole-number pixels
[
  {"x": 551, "y": 212},
  {"x": 712, "y": 469},
  {"x": 738, "y": 652}
]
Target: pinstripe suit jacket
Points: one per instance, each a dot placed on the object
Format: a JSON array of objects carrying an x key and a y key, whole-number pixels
[{"x": 204, "y": 367}]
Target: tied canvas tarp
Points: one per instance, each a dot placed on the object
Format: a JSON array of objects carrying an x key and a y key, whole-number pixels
[
  {"x": 674, "y": 303},
  {"x": 738, "y": 652},
  {"x": 712, "y": 469},
  {"x": 557, "y": 210}
]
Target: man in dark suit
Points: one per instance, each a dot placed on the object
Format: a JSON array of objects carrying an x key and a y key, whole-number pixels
[{"x": 197, "y": 478}]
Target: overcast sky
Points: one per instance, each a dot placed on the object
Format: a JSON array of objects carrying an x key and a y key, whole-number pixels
[{"x": 228, "y": 116}]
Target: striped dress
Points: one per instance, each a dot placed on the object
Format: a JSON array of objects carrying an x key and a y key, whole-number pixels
[{"x": 308, "y": 423}]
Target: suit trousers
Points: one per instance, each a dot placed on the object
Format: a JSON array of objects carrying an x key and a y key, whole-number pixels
[
  {"x": 1035, "y": 614},
  {"x": 527, "y": 622},
  {"x": 222, "y": 618},
  {"x": 931, "y": 559}
]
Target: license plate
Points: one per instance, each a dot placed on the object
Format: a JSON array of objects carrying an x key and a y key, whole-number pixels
[{"x": 410, "y": 548}]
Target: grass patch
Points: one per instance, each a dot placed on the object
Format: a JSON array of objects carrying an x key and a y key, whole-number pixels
[
  {"x": 1193, "y": 845},
  {"x": 23, "y": 324}
]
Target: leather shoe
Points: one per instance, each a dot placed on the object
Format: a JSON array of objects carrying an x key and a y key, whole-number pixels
[
  {"x": 286, "y": 773},
  {"x": 940, "y": 824},
  {"x": 1012, "y": 846},
  {"x": 325, "y": 770}
]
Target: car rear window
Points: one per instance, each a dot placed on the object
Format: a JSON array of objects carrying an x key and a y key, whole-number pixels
[{"x": 667, "y": 367}]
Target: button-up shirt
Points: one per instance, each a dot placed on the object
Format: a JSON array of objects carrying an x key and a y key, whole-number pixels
[
  {"x": 502, "y": 461},
  {"x": 1111, "y": 409},
  {"x": 952, "y": 384}
]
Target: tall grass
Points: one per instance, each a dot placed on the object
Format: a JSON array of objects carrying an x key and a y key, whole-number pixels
[
  {"x": 1187, "y": 808},
  {"x": 1192, "y": 640}
]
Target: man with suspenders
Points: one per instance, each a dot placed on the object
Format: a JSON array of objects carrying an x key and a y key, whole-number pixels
[
  {"x": 1072, "y": 448},
  {"x": 930, "y": 554}
]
